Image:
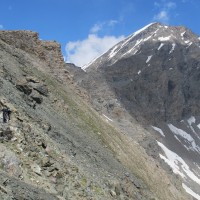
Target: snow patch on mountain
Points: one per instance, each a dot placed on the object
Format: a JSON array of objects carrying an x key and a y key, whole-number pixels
[
  {"x": 142, "y": 29},
  {"x": 138, "y": 42},
  {"x": 177, "y": 164},
  {"x": 177, "y": 139},
  {"x": 162, "y": 39},
  {"x": 134, "y": 34},
  {"x": 182, "y": 34},
  {"x": 191, "y": 120},
  {"x": 107, "y": 118},
  {"x": 172, "y": 49},
  {"x": 133, "y": 49},
  {"x": 189, "y": 191},
  {"x": 147, "y": 38},
  {"x": 158, "y": 130},
  {"x": 172, "y": 159},
  {"x": 149, "y": 58},
  {"x": 189, "y": 44},
  {"x": 117, "y": 48},
  {"x": 161, "y": 45},
  {"x": 112, "y": 53},
  {"x": 187, "y": 137}
]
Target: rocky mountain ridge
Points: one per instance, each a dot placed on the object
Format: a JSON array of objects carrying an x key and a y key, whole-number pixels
[
  {"x": 154, "y": 32},
  {"x": 56, "y": 146},
  {"x": 28, "y": 41}
]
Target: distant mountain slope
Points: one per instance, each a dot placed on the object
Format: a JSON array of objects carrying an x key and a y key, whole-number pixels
[{"x": 153, "y": 77}]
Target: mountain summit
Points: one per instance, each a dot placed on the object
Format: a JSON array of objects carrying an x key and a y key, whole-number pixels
[
  {"x": 154, "y": 72},
  {"x": 154, "y": 32}
]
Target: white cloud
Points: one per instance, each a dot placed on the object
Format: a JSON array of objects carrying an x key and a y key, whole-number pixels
[
  {"x": 96, "y": 28},
  {"x": 156, "y": 4},
  {"x": 104, "y": 25},
  {"x": 112, "y": 22},
  {"x": 165, "y": 10},
  {"x": 170, "y": 5},
  {"x": 83, "y": 52},
  {"x": 1, "y": 26},
  {"x": 162, "y": 16}
]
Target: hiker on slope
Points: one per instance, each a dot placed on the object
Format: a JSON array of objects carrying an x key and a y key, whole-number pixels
[{"x": 6, "y": 114}]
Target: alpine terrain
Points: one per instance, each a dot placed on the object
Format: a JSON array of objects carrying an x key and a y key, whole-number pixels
[
  {"x": 152, "y": 78},
  {"x": 125, "y": 127}
]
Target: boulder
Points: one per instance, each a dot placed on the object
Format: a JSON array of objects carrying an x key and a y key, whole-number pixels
[
  {"x": 36, "y": 97},
  {"x": 36, "y": 168},
  {"x": 9, "y": 162},
  {"x": 42, "y": 89},
  {"x": 32, "y": 79},
  {"x": 23, "y": 87},
  {"x": 6, "y": 134}
]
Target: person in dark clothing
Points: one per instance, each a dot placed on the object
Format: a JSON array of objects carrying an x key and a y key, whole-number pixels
[{"x": 6, "y": 114}]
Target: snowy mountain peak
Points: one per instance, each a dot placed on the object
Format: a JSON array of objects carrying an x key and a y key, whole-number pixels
[
  {"x": 161, "y": 55},
  {"x": 144, "y": 28},
  {"x": 156, "y": 34}
]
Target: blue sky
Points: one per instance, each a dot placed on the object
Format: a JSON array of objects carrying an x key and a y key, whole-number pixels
[{"x": 87, "y": 28}]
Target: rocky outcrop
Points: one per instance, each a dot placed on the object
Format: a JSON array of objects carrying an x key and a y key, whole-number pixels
[{"x": 28, "y": 41}]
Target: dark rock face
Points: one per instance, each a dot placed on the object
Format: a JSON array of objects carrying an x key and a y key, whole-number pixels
[
  {"x": 154, "y": 73},
  {"x": 161, "y": 94}
]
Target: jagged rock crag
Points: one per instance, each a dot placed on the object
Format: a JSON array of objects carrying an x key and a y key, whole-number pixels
[{"x": 28, "y": 41}]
